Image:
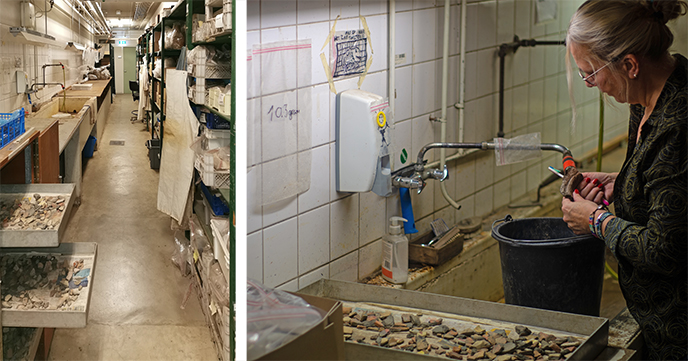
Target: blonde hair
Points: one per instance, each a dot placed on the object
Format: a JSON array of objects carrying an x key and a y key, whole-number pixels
[{"x": 611, "y": 29}]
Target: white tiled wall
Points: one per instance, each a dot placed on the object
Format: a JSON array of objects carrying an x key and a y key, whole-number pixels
[
  {"x": 322, "y": 233},
  {"x": 29, "y": 55}
]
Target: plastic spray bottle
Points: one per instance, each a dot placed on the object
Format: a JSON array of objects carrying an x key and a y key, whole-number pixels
[{"x": 395, "y": 252}]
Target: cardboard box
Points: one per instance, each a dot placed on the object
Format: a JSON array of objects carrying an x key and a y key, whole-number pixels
[{"x": 324, "y": 341}]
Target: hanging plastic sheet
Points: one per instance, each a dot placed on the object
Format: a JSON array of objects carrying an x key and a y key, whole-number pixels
[
  {"x": 280, "y": 123},
  {"x": 177, "y": 159},
  {"x": 517, "y": 149}
]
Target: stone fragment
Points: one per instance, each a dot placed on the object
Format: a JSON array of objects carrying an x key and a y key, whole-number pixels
[
  {"x": 422, "y": 345},
  {"x": 405, "y": 318},
  {"x": 497, "y": 348},
  {"x": 479, "y": 330},
  {"x": 555, "y": 347},
  {"x": 508, "y": 347},
  {"x": 440, "y": 330},
  {"x": 346, "y": 310},
  {"x": 513, "y": 335},
  {"x": 454, "y": 355},
  {"x": 388, "y": 321},
  {"x": 501, "y": 340},
  {"x": 384, "y": 341},
  {"x": 378, "y": 323},
  {"x": 482, "y": 344},
  {"x": 448, "y": 336},
  {"x": 490, "y": 355},
  {"x": 385, "y": 314},
  {"x": 523, "y": 331},
  {"x": 415, "y": 320},
  {"x": 477, "y": 356},
  {"x": 569, "y": 344},
  {"x": 546, "y": 337},
  {"x": 504, "y": 358}
]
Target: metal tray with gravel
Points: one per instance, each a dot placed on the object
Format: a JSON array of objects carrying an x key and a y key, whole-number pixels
[
  {"x": 34, "y": 215},
  {"x": 462, "y": 318},
  {"x": 49, "y": 288}
]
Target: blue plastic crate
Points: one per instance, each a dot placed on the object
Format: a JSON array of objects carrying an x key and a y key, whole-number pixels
[
  {"x": 11, "y": 126},
  {"x": 214, "y": 121}
]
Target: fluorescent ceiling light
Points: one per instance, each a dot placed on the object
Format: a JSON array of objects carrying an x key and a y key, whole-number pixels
[{"x": 32, "y": 36}]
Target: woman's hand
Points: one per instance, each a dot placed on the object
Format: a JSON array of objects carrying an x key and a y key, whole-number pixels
[
  {"x": 597, "y": 186},
  {"x": 577, "y": 213}
]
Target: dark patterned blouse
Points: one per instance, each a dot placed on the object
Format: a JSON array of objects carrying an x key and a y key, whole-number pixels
[{"x": 649, "y": 236}]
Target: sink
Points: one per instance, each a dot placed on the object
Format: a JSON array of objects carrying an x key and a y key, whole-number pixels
[{"x": 73, "y": 106}]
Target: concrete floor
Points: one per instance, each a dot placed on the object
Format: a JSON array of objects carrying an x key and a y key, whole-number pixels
[{"x": 135, "y": 309}]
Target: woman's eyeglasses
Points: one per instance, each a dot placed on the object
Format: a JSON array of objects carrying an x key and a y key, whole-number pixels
[{"x": 590, "y": 78}]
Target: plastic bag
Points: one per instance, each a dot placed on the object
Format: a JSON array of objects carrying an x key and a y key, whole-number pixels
[
  {"x": 174, "y": 37},
  {"x": 218, "y": 284},
  {"x": 201, "y": 244},
  {"x": 182, "y": 253},
  {"x": 517, "y": 149},
  {"x": 157, "y": 71},
  {"x": 275, "y": 317}
]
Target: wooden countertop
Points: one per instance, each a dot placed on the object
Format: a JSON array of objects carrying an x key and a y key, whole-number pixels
[
  {"x": 8, "y": 152},
  {"x": 97, "y": 90}
]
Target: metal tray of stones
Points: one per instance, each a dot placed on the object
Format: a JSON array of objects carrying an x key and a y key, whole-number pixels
[
  {"x": 50, "y": 287},
  {"x": 458, "y": 314},
  {"x": 29, "y": 222}
]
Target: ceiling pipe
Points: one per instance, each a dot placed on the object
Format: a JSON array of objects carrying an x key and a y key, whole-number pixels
[
  {"x": 93, "y": 20},
  {"x": 101, "y": 16},
  {"x": 71, "y": 6}
]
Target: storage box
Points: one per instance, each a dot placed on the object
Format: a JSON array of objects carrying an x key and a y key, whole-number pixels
[
  {"x": 434, "y": 255},
  {"x": 11, "y": 125},
  {"x": 324, "y": 341}
]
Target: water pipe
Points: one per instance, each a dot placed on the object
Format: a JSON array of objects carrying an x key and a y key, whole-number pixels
[{"x": 392, "y": 92}]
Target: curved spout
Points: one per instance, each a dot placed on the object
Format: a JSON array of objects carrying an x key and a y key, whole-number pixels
[{"x": 419, "y": 163}]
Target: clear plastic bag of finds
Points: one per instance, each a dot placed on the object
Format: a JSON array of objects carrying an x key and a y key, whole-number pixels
[
  {"x": 174, "y": 37},
  {"x": 218, "y": 284},
  {"x": 275, "y": 317},
  {"x": 517, "y": 149},
  {"x": 200, "y": 242},
  {"x": 182, "y": 253}
]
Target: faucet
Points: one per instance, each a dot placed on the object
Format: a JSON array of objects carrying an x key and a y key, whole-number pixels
[
  {"x": 64, "y": 81},
  {"x": 414, "y": 175}
]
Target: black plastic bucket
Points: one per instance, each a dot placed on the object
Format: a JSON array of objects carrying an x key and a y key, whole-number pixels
[{"x": 545, "y": 265}]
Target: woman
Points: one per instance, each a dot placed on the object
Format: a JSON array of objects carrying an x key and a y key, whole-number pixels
[{"x": 621, "y": 47}]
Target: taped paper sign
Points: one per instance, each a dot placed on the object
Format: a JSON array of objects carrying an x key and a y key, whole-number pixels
[{"x": 349, "y": 53}]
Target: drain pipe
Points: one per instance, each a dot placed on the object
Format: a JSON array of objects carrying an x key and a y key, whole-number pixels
[
  {"x": 392, "y": 92},
  {"x": 443, "y": 116}
]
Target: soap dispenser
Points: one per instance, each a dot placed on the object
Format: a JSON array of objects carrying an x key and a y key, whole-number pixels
[{"x": 395, "y": 253}]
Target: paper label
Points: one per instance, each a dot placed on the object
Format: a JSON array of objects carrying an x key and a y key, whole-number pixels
[
  {"x": 400, "y": 59},
  {"x": 387, "y": 259}
]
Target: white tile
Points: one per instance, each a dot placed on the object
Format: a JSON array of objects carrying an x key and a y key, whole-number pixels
[
  {"x": 276, "y": 13},
  {"x": 311, "y": 11},
  {"x": 518, "y": 185},
  {"x": 424, "y": 88},
  {"x": 536, "y": 101},
  {"x": 423, "y": 134},
  {"x": 254, "y": 256},
  {"x": 280, "y": 253},
  {"x": 402, "y": 141},
  {"x": 471, "y": 121},
  {"x": 404, "y": 5},
  {"x": 314, "y": 276},
  {"x": 520, "y": 113},
  {"x": 508, "y": 111},
  {"x": 344, "y": 223},
  {"x": 393, "y": 205},
  {"x": 487, "y": 20},
  {"x": 344, "y": 9},
  {"x": 472, "y": 27},
  {"x": 279, "y": 210},
  {"x": 502, "y": 193},
  {"x": 484, "y": 169},
  {"x": 454, "y": 30},
  {"x": 404, "y": 93},
  {"x": 453, "y": 83},
  {"x": 488, "y": 72},
  {"x": 537, "y": 62},
  {"x": 486, "y": 117},
  {"x": 467, "y": 209},
  {"x": 378, "y": 27},
  {"x": 422, "y": 4},
  {"x": 404, "y": 37},
  {"x": 372, "y": 216},
  {"x": 373, "y": 7},
  {"x": 533, "y": 177},
  {"x": 290, "y": 286},
  {"x": 279, "y": 133},
  {"x": 285, "y": 33},
  {"x": 424, "y": 203},
  {"x": 279, "y": 183},
  {"x": 253, "y": 15},
  {"x": 254, "y": 199},
  {"x": 551, "y": 87},
  {"x": 563, "y": 97},
  {"x": 448, "y": 214},
  {"x": 345, "y": 268},
  {"x": 464, "y": 173},
  {"x": 471, "y": 76},
  {"x": 483, "y": 201},
  {"x": 376, "y": 83},
  {"x": 369, "y": 259},
  {"x": 317, "y": 32},
  {"x": 564, "y": 128},
  {"x": 314, "y": 239},
  {"x": 554, "y": 56},
  {"x": 425, "y": 34},
  {"x": 505, "y": 20},
  {"x": 522, "y": 19},
  {"x": 319, "y": 192},
  {"x": 314, "y": 115}
]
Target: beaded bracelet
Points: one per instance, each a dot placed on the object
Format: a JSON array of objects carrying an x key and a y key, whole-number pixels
[
  {"x": 598, "y": 223},
  {"x": 591, "y": 219}
]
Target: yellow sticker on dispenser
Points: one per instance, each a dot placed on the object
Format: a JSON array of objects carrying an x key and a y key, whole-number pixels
[{"x": 381, "y": 119}]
